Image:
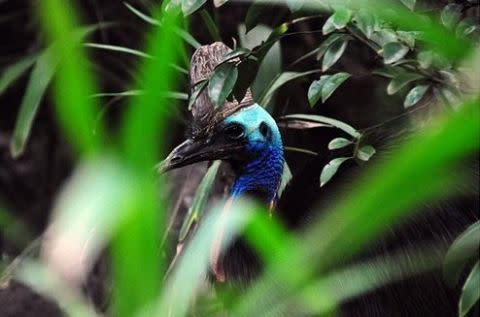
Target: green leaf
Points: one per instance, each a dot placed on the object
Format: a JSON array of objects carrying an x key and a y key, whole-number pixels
[
  {"x": 341, "y": 17},
  {"x": 15, "y": 71},
  {"x": 366, "y": 152},
  {"x": 211, "y": 25},
  {"x": 247, "y": 72},
  {"x": 425, "y": 59},
  {"x": 460, "y": 252},
  {"x": 333, "y": 53},
  {"x": 393, "y": 52},
  {"x": 325, "y": 120},
  {"x": 190, "y": 6},
  {"x": 197, "y": 206},
  {"x": 38, "y": 83},
  {"x": 331, "y": 169},
  {"x": 294, "y": 5},
  {"x": 221, "y": 83},
  {"x": 196, "y": 92},
  {"x": 116, "y": 48},
  {"x": 401, "y": 81},
  {"x": 281, "y": 80},
  {"x": 338, "y": 143},
  {"x": 409, "y": 4},
  {"x": 219, "y": 3},
  {"x": 415, "y": 95},
  {"x": 286, "y": 178},
  {"x": 365, "y": 22},
  {"x": 328, "y": 26},
  {"x": 315, "y": 90},
  {"x": 470, "y": 291},
  {"x": 407, "y": 38},
  {"x": 334, "y": 38},
  {"x": 332, "y": 83},
  {"x": 238, "y": 52},
  {"x": 451, "y": 15},
  {"x": 255, "y": 12}
]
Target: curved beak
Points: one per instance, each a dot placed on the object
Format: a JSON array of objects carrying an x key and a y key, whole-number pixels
[{"x": 193, "y": 151}]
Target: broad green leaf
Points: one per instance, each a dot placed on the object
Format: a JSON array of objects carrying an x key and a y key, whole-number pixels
[
  {"x": 332, "y": 83},
  {"x": 238, "y": 52},
  {"x": 460, "y": 252},
  {"x": 415, "y": 95},
  {"x": 40, "y": 78},
  {"x": 366, "y": 152},
  {"x": 197, "y": 207},
  {"x": 281, "y": 80},
  {"x": 401, "y": 81},
  {"x": 211, "y": 25},
  {"x": 328, "y": 26},
  {"x": 15, "y": 71},
  {"x": 425, "y": 59},
  {"x": 196, "y": 92},
  {"x": 221, "y": 83},
  {"x": 331, "y": 169},
  {"x": 333, "y": 53},
  {"x": 451, "y": 15},
  {"x": 338, "y": 143},
  {"x": 325, "y": 120},
  {"x": 409, "y": 4},
  {"x": 365, "y": 22},
  {"x": 315, "y": 90},
  {"x": 334, "y": 38},
  {"x": 407, "y": 38},
  {"x": 190, "y": 6},
  {"x": 467, "y": 26},
  {"x": 383, "y": 36},
  {"x": 393, "y": 52},
  {"x": 341, "y": 17},
  {"x": 470, "y": 291}
]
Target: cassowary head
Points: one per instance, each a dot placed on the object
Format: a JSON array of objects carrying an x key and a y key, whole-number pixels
[{"x": 241, "y": 133}]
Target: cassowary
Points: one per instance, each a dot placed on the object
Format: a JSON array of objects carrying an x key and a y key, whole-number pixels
[{"x": 245, "y": 136}]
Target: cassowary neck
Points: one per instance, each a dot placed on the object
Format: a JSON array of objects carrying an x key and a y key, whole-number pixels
[{"x": 259, "y": 176}]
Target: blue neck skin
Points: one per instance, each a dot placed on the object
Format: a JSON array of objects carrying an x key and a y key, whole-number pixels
[{"x": 261, "y": 174}]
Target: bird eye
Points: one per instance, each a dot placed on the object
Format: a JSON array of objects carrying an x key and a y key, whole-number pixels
[
  {"x": 234, "y": 131},
  {"x": 264, "y": 130}
]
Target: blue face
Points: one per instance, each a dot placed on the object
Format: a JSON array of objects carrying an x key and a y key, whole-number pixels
[{"x": 262, "y": 168}]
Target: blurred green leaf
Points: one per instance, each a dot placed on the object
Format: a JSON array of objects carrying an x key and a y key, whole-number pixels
[
  {"x": 190, "y": 6},
  {"x": 407, "y": 38},
  {"x": 40, "y": 78},
  {"x": 415, "y": 95},
  {"x": 393, "y": 52},
  {"x": 402, "y": 80},
  {"x": 333, "y": 53},
  {"x": 470, "y": 291},
  {"x": 451, "y": 15},
  {"x": 332, "y": 83},
  {"x": 211, "y": 25},
  {"x": 326, "y": 120},
  {"x": 219, "y": 3},
  {"x": 281, "y": 80},
  {"x": 15, "y": 71},
  {"x": 295, "y": 5},
  {"x": 199, "y": 87},
  {"x": 338, "y": 143},
  {"x": 330, "y": 169},
  {"x": 366, "y": 152},
  {"x": 197, "y": 207},
  {"x": 409, "y": 4},
  {"x": 464, "y": 248},
  {"x": 332, "y": 39},
  {"x": 221, "y": 83}
]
